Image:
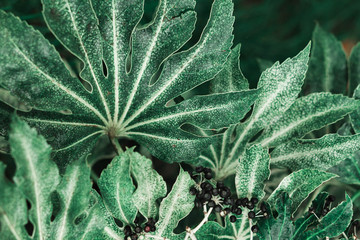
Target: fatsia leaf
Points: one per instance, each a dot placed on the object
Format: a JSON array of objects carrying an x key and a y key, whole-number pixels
[
  {"x": 327, "y": 65},
  {"x": 252, "y": 170},
  {"x": 73, "y": 192},
  {"x": 13, "y": 101},
  {"x": 13, "y": 215},
  {"x": 116, "y": 187},
  {"x": 231, "y": 77},
  {"x": 281, "y": 227},
  {"x": 307, "y": 114},
  {"x": 122, "y": 101},
  {"x": 320, "y": 153},
  {"x": 348, "y": 170},
  {"x": 36, "y": 176},
  {"x": 354, "y": 68},
  {"x": 279, "y": 85},
  {"x": 299, "y": 185},
  {"x": 177, "y": 205},
  {"x": 334, "y": 223},
  {"x": 238, "y": 230},
  {"x": 150, "y": 185},
  {"x": 355, "y": 116}
]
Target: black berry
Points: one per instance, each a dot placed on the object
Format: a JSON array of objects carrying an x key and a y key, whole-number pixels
[
  {"x": 134, "y": 237},
  {"x": 215, "y": 192},
  {"x": 254, "y": 200},
  {"x": 127, "y": 230},
  {"x": 199, "y": 169},
  {"x": 238, "y": 202},
  {"x": 225, "y": 193},
  {"x": 208, "y": 175},
  {"x": 193, "y": 191},
  {"x": 207, "y": 170},
  {"x": 217, "y": 208},
  {"x": 207, "y": 196},
  {"x": 251, "y": 214},
  {"x": 244, "y": 202},
  {"x": 138, "y": 229},
  {"x": 228, "y": 201},
  {"x": 211, "y": 204},
  {"x": 325, "y": 211},
  {"x": 220, "y": 185},
  {"x": 238, "y": 211},
  {"x": 255, "y": 229},
  {"x": 250, "y": 205},
  {"x": 232, "y": 218},
  {"x": 227, "y": 210},
  {"x": 152, "y": 228}
]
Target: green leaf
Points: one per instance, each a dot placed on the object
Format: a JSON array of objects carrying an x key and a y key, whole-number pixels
[
  {"x": 73, "y": 192},
  {"x": 348, "y": 170},
  {"x": 354, "y": 68},
  {"x": 150, "y": 185},
  {"x": 116, "y": 187},
  {"x": 327, "y": 65},
  {"x": 122, "y": 101},
  {"x": 175, "y": 206},
  {"x": 230, "y": 78},
  {"x": 355, "y": 116},
  {"x": 36, "y": 176},
  {"x": 252, "y": 170},
  {"x": 307, "y": 114},
  {"x": 299, "y": 185},
  {"x": 238, "y": 230},
  {"x": 279, "y": 85},
  {"x": 13, "y": 101},
  {"x": 281, "y": 227},
  {"x": 320, "y": 153},
  {"x": 13, "y": 214},
  {"x": 335, "y": 222}
]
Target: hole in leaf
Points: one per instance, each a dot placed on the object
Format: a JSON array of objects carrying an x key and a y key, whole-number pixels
[
  {"x": 118, "y": 222},
  {"x": 29, "y": 227},
  {"x": 80, "y": 218},
  {"x": 28, "y": 204},
  {"x": 150, "y": 7},
  {"x": 156, "y": 75},
  {"x": 256, "y": 136},
  {"x": 56, "y": 202},
  {"x": 129, "y": 60},
  {"x": 105, "y": 69}
]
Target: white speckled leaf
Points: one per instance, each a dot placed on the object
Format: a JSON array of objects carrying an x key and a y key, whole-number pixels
[
  {"x": 177, "y": 205},
  {"x": 279, "y": 86},
  {"x": 354, "y": 68},
  {"x": 13, "y": 214},
  {"x": 36, "y": 176},
  {"x": 73, "y": 190},
  {"x": 320, "y": 153},
  {"x": 299, "y": 185},
  {"x": 334, "y": 223},
  {"x": 150, "y": 185},
  {"x": 252, "y": 170},
  {"x": 231, "y": 77},
  {"x": 327, "y": 65},
  {"x": 117, "y": 188},
  {"x": 307, "y": 114}
]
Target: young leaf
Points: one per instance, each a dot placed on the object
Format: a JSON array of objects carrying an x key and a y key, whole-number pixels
[
  {"x": 230, "y": 78},
  {"x": 150, "y": 185},
  {"x": 299, "y": 185},
  {"x": 122, "y": 101},
  {"x": 116, "y": 187},
  {"x": 279, "y": 85},
  {"x": 13, "y": 214},
  {"x": 334, "y": 223},
  {"x": 327, "y": 65},
  {"x": 175, "y": 206},
  {"x": 307, "y": 114},
  {"x": 320, "y": 153},
  {"x": 280, "y": 228},
  {"x": 36, "y": 177},
  {"x": 252, "y": 170}
]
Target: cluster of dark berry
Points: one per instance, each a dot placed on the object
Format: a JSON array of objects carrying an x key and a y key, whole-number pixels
[
  {"x": 219, "y": 197},
  {"x": 327, "y": 206},
  {"x": 133, "y": 234}
]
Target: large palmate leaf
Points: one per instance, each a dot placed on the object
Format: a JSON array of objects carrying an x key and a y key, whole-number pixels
[
  {"x": 251, "y": 172},
  {"x": 348, "y": 170},
  {"x": 354, "y": 68},
  {"x": 327, "y": 65},
  {"x": 299, "y": 185},
  {"x": 74, "y": 207},
  {"x": 280, "y": 85},
  {"x": 120, "y": 58},
  {"x": 307, "y": 114},
  {"x": 320, "y": 153}
]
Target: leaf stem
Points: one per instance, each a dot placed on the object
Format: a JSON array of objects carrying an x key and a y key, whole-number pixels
[
  {"x": 116, "y": 145},
  {"x": 190, "y": 233}
]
